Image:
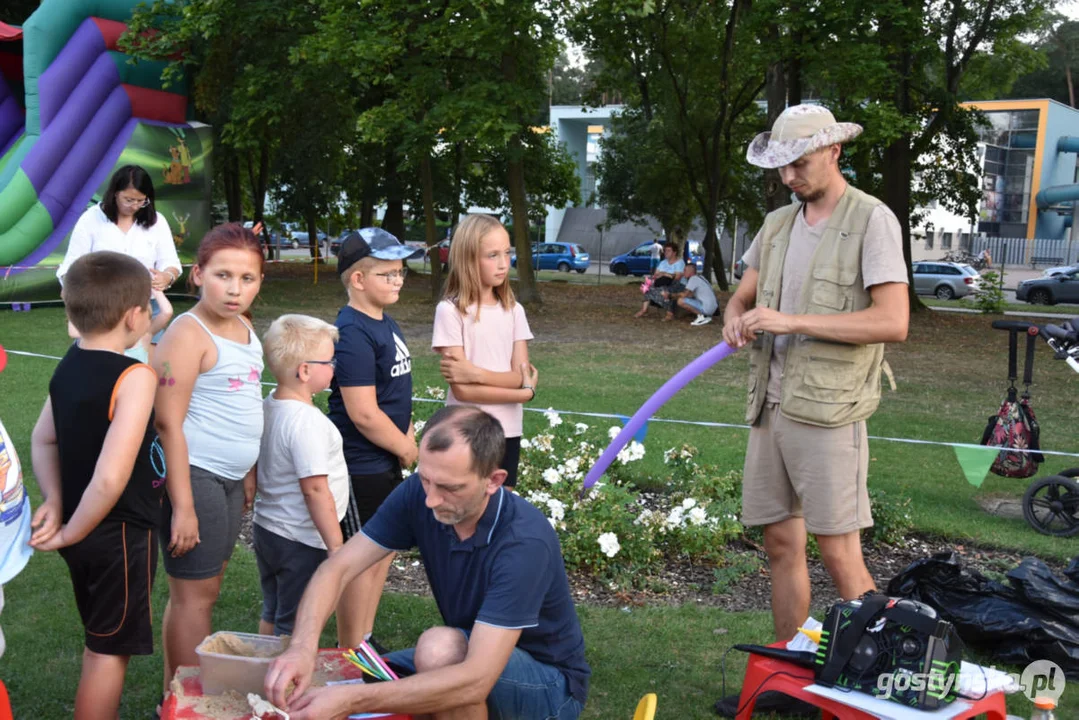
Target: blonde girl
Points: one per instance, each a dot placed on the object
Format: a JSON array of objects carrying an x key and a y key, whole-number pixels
[{"x": 482, "y": 333}]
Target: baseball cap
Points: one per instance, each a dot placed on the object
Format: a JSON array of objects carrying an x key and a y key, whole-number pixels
[{"x": 372, "y": 242}]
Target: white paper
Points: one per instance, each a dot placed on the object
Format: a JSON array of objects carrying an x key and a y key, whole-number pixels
[
  {"x": 800, "y": 643},
  {"x": 886, "y": 709}
]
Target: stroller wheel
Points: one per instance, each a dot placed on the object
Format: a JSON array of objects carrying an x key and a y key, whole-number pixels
[{"x": 1051, "y": 506}]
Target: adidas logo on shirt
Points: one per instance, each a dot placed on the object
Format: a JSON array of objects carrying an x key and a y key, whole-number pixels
[{"x": 402, "y": 357}]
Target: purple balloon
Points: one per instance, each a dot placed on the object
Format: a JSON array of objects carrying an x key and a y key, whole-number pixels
[{"x": 652, "y": 405}]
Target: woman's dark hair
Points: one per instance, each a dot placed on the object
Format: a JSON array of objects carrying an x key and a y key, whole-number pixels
[
  {"x": 670, "y": 245},
  {"x": 131, "y": 176}
]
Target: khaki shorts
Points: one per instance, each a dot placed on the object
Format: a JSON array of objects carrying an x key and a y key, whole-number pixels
[{"x": 799, "y": 470}]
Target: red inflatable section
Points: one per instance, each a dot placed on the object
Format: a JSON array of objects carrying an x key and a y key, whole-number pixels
[
  {"x": 156, "y": 104},
  {"x": 10, "y": 32},
  {"x": 111, "y": 30}
]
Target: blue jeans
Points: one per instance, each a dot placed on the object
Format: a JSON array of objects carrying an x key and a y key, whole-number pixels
[
  {"x": 695, "y": 304},
  {"x": 526, "y": 690},
  {"x": 154, "y": 312}
]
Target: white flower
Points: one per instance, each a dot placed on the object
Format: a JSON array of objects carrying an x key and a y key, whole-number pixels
[
  {"x": 630, "y": 453},
  {"x": 573, "y": 465},
  {"x": 608, "y": 543},
  {"x": 538, "y": 497},
  {"x": 698, "y": 516},
  {"x": 676, "y": 518},
  {"x": 551, "y": 475},
  {"x": 580, "y": 428},
  {"x": 557, "y": 508},
  {"x": 644, "y": 517},
  {"x": 436, "y": 392},
  {"x": 688, "y": 503},
  {"x": 526, "y": 443},
  {"x": 554, "y": 523},
  {"x": 612, "y": 433},
  {"x": 419, "y": 425},
  {"x": 543, "y": 442},
  {"x": 667, "y": 455},
  {"x": 553, "y": 418}
]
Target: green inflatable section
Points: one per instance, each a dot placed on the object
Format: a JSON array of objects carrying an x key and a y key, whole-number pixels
[
  {"x": 145, "y": 73},
  {"x": 23, "y": 219}
]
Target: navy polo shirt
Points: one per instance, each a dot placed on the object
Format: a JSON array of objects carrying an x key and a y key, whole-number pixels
[
  {"x": 509, "y": 574},
  {"x": 370, "y": 352}
]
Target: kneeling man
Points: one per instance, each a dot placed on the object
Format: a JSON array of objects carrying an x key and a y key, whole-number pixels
[{"x": 511, "y": 645}]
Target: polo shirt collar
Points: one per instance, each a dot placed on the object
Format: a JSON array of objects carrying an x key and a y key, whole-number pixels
[{"x": 485, "y": 528}]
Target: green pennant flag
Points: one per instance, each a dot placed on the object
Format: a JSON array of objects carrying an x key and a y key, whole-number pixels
[{"x": 975, "y": 461}]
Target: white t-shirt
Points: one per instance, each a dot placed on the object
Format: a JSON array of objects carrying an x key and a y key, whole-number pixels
[
  {"x": 14, "y": 517},
  {"x": 656, "y": 251},
  {"x": 298, "y": 441},
  {"x": 152, "y": 246},
  {"x": 488, "y": 344}
]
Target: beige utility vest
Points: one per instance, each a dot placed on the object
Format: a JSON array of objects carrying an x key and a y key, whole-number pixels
[{"x": 825, "y": 383}]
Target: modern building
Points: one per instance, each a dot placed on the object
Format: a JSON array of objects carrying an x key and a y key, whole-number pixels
[{"x": 1029, "y": 174}]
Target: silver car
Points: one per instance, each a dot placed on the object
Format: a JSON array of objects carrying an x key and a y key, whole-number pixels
[{"x": 946, "y": 280}]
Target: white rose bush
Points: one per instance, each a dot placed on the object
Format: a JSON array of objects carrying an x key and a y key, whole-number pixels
[{"x": 616, "y": 532}]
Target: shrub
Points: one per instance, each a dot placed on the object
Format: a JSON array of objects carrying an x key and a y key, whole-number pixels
[{"x": 989, "y": 297}]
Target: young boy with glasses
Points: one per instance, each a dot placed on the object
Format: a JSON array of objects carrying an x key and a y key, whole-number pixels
[
  {"x": 371, "y": 400},
  {"x": 303, "y": 484}
]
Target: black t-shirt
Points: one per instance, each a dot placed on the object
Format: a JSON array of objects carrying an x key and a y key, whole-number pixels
[
  {"x": 370, "y": 352},
  {"x": 82, "y": 391}
]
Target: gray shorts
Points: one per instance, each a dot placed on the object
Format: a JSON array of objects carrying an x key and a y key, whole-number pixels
[
  {"x": 798, "y": 470},
  {"x": 285, "y": 568},
  {"x": 219, "y": 506}
]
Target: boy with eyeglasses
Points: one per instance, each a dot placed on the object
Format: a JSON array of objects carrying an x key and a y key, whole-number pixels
[
  {"x": 371, "y": 400},
  {"x": 303, "y": 484}
]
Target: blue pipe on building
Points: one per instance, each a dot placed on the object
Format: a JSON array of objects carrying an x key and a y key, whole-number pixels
[{"x": 1060, "y": 193}]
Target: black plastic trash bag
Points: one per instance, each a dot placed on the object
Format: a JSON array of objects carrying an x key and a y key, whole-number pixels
[{"x": 1034, "y": 616}]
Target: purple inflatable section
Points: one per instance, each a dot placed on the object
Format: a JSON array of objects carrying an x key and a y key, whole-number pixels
[
  {"x": 99, "y": 176},
  {"x": 12, "y": 118},
  {"x": 66, "y": 71}
]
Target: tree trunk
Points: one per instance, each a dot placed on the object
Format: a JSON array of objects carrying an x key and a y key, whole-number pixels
[
  {"x": 427, "y": 184},
  {"x": 233, "y": 187},
  {"x": 458, "y": 184},
  {"x": 311, "y": 220},
  {"x": 393, "y": 221},
  {"x": 1071, "y": 85},
  {"x": 527, "y": 290},
  {"x": 258, "y": 180},
  {"x": 367, "y": 213},
  {"x": 713, "y": 258},
  {"x": 775, "y": 194}
]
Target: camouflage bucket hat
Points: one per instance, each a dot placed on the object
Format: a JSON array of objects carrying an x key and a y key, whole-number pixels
[{"x": 798, "y": 131}]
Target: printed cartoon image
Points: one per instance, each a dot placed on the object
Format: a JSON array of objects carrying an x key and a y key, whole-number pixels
[
  {"x": 11, "y": 501},
  {"x": 178, "y": 171},
  {"x": 181, "y": 223}
]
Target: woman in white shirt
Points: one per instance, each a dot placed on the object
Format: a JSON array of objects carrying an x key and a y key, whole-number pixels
[{"x": 127, "y": 222}]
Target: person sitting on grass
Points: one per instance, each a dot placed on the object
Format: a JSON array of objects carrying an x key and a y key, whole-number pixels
[
  {"x": 100, "y": 468},
  {"x": 697, "y": 297},
  {"x": 665, "y": 277},
  {"x": 511, "y": 646}
]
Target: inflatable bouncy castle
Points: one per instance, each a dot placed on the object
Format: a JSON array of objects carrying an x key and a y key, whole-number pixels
[{"x": 73, "y": 108}]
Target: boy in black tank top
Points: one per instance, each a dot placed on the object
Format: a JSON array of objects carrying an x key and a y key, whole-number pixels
[{"x": 102, "y": 472}]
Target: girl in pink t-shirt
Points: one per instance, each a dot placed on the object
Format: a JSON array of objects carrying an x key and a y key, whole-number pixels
[{"x": 482, "y": 333}]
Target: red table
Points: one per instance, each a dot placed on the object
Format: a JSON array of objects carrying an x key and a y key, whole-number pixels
[{"x": 191, "y": 704}]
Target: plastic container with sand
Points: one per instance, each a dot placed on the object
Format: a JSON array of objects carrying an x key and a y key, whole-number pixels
[{"x": 237, "y": 661}]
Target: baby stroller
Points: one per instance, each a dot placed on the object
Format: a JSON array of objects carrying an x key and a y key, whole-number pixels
[{"x": 1050, "y": 504}]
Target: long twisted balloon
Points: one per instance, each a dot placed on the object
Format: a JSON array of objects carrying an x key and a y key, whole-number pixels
[{"x": 652, "y": 405}]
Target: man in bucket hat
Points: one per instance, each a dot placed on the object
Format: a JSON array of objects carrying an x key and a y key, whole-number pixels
[{"x": 824, "y": 288}]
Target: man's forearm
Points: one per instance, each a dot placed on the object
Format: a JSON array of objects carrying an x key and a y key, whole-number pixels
[
  {"x": 424, "y": 693},
  {"x": 735, "y": 307},
  {"x": 872, "y": 325},
  {"x": 319, "y": 600}
]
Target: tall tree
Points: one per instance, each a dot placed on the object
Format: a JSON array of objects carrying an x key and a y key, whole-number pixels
[{"x": 693, "y": 69}]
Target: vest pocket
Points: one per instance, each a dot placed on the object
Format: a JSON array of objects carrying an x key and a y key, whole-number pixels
[
  {"x": 832, "y": 290},
  {"x": 828, "y": 380}
]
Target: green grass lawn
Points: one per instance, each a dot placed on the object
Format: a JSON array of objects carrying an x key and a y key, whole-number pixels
[{"x": 594, "y": 357}]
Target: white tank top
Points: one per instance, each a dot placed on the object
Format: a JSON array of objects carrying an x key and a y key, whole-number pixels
[{"x": 223, "y": 426}]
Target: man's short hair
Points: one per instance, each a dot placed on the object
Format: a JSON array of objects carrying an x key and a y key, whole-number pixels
[
  {"x": 100, "y": 287},
  {"x": 292, "y": 339},
  {"x": 691, "y": 266},
  {"x": 480, "y": 431}
]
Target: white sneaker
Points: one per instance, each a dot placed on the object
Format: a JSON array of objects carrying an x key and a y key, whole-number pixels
[{"x": 702, "y": 320}]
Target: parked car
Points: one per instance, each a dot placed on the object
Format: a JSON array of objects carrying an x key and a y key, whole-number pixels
[
  {"x": 1059, "y": 270},
  {"x": 638, "y": 261},
  {"x": 1050, "y": 290},
  {"x": 562, "y": 256},
  {"x": 946, "y": 280},
  {"x": 302, "y": 239}
]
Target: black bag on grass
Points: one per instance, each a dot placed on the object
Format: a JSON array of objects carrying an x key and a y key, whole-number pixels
[{"x": 1033, "y": 616}]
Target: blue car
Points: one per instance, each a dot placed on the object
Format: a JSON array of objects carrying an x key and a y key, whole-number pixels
[
  {"x": 561, "y": 256},
  {"x": 638, "y": 261}
]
